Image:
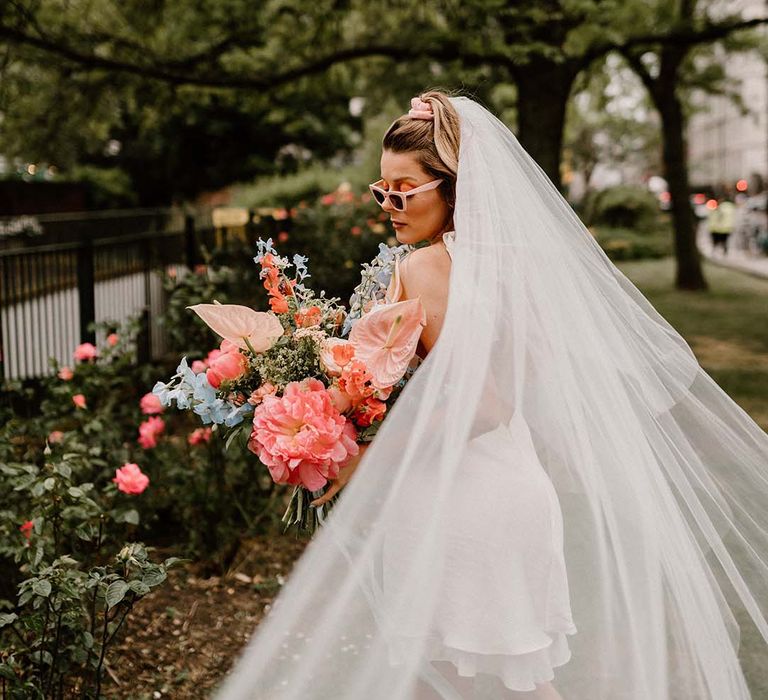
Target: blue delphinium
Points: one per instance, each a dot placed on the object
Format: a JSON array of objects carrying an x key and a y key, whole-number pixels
[
  {"x": 376, "y": 276},
  {"x": 190, "y": 390}
]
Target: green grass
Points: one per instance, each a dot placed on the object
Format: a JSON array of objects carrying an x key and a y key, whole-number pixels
[{"x": 727, "y": 326}]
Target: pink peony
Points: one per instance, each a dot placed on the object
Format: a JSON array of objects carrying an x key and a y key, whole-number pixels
[
  {"x": 113, "y": 339},
  {"x": 149, "y": 431},
  {"x": 227, "y": 366},
  {"x": 66, "y": 373},
  {"x": 301, "y": 437},
  {"x": 26, "y": 528},
  {"x": 199, "y": 436},
  {"x": 130, "y": 479},
  {"x": 150, "y": 404},
  {"x": 55, "y": 436},
  {"x": 79, "y": 400},
  {"x": 85, "y": 352}
]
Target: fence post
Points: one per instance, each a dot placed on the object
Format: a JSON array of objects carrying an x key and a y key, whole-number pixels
[
  {"x": 190, "y": 242},
  {"x": 4, "y": 303},
  {"x": 144, "y": 337},
  {"x": 86, "y": 291}
]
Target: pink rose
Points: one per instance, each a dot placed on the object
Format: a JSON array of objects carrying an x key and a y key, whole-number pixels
[
  {"x": 227, "y": 366},
  {"x": 113, "y": 339},
  {"x": 355, "y": 230},
  {"x": 199, "y": 436},
  {"x": 212, "y": 355},
  {"x": 149, "y": 431},
  {"x": 26, "y": 528},
  {"x": 328, "y": 199},
  {"x": 301, "y": 437},
  {"x": 199, "y": 366},
  {"x": 79, "y": 400},
  {"x": 334, "y": 351},
  {"x": 339, "y": 399},
  {"x": 130, "y": 479},
  {"x": 66, "y": 374},
  {"x": 355, "y": 381},
  {"x": 150, "y": 404},
  {"x": 368, "y": 411},
  {"x": 85, "y": 352},
  {"x": 55, "y": 436},
  {"x": 257, "y": 395}
]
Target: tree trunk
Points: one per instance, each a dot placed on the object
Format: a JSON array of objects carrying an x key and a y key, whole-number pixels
[
  {"x": 543, "y": 90},
  {"x": 689, "y": 273}
]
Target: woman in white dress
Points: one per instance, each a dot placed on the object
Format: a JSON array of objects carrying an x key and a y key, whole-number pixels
[{"x": 561, "y": 504}]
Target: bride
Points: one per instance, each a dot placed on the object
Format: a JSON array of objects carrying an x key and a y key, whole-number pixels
[{"x": 561, "y": 503}]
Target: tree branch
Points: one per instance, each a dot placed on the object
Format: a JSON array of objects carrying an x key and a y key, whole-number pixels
[{"x": 173, "y": 73}]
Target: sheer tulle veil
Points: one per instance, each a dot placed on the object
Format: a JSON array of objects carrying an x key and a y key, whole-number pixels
[{"x": 661, "y": 478}]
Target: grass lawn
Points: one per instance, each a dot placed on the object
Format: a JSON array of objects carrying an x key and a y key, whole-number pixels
[{"x": 726, "y": 327}]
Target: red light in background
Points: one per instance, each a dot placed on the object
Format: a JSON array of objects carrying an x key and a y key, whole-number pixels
[
  {"x": 699, "y": 198},
  {"x": 711, "y": 204},
  {"x": 742, "y": 185}
]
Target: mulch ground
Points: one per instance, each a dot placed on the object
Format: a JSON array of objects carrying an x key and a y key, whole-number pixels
[{"x": 182, "y": 638}]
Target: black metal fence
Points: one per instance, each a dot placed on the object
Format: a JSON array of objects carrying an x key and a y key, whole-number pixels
[{"x": 50, "y": 294}]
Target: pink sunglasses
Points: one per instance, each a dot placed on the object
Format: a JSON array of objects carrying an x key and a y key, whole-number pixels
[{"x": 399, "y": 199}]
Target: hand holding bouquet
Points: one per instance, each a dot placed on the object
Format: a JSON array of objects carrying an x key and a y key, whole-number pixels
[{"x": 312, "y": 396}]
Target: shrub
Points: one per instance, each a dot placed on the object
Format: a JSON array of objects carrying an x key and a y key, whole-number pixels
[{"x": 622, "y": 206}]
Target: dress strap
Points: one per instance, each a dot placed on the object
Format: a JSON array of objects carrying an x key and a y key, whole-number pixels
[{"x": 449, "y": 238}]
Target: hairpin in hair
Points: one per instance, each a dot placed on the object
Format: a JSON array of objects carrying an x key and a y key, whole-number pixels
[{"x": 420, "y": 109}]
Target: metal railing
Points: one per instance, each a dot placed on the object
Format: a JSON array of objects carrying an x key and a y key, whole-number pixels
[{"x": 50, "y": 294}]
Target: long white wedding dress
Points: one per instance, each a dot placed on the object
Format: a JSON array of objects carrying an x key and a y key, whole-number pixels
[
  {"x": 560, "y": 493},
  {"x": 504, "y": 609}
]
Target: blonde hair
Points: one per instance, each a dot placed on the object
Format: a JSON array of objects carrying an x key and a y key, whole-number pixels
[{"x": 434, "y": 142}]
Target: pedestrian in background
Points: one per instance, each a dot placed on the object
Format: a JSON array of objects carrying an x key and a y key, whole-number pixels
[{"x": 720, "y": 222}]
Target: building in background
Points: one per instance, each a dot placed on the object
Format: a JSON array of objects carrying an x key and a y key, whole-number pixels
[{"x": 724, "y": 145}]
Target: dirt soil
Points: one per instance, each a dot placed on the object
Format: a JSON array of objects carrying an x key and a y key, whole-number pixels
[{"x": 182, "y": 638}]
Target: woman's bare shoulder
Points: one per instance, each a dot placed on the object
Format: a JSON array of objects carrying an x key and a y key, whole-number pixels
[{"x": 425, "y": 271}]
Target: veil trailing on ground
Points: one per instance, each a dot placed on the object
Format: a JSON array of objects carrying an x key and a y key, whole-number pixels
[{"x": 661, "y": 478}]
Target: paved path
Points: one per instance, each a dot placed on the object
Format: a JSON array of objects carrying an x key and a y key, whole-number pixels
[{"x": 737, "y": 259}]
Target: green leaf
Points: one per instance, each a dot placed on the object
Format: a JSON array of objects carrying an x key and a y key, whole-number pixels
[
  {"x": 139, "y": 587},
  {"x": 49, "y": 483},
  {"x": 75, "y": 492},
  {"x": 42, "y": 588},
  {"x": 154, "y": 577},
  {"x": 116, "y": 592},
  {"x": 87, "y": 640},
  {"x": 129, "y": 516},
  {"x": 7, "y": 618},
  {"x": 39, "y": 551},
  {"x": 235, "y": 432},
  {"x": 64, "y": 469}
]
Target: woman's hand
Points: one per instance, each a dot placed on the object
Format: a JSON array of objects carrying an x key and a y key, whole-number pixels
[{"x": 345, "y": 473}]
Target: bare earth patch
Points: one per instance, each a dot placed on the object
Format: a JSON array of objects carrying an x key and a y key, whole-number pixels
[
  {"x": 714, "y": 353},
  {"x": 182, "y": 639}
]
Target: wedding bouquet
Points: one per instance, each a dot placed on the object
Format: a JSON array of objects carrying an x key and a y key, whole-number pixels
[{"x": 311, "y": 394}]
